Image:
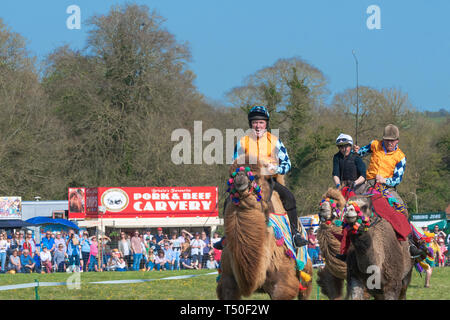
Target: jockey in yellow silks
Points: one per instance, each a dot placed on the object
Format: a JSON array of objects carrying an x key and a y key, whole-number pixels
[{"x": 261, "y": 145}]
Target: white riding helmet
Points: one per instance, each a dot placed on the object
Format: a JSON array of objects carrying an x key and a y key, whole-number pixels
[{"x": 344, "y": 139}]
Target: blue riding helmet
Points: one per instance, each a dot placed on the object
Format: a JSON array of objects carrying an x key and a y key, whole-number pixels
[{"x": 258, "y": 113}]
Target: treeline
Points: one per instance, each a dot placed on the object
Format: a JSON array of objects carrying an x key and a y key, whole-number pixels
[{"x": 104, "y": 116}]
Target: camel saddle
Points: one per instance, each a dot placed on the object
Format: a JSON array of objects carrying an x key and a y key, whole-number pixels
[
  {"x": 398, "y": 220},
  {"x": 381, "y": 206}
]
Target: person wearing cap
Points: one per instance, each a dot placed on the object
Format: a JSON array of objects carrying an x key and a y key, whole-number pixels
[
  {"x": 159, "y": 235},
  {"x": 387, "y": 161},
  {"x": 46, "y": 259},
  {"x": 263, "y": 146},
  {"x": 59, "y": 240},
  {"x": 387, "y": 167},
  {"x": 348, "y": 168},
  {"x": 170, "y": 256}
]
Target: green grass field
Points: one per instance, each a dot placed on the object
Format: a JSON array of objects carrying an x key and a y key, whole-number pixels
[{"x": 201, "y": 287}]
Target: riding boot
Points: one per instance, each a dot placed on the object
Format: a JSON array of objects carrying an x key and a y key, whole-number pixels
[
  {"x": 288, "y": 201},
  {"x": 297, "y": 237}
]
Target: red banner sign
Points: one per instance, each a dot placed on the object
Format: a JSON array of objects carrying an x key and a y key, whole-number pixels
[{"x": 144, "y": 202}]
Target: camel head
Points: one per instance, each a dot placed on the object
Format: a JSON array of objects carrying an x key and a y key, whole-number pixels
[
  {"x": 331, "y": 206},
  {"x": 325, "y": 211},
  {"x": 358, "y": 210},
  {"x": 241, "y": 180},
  {"x": 246, "y": 184}
]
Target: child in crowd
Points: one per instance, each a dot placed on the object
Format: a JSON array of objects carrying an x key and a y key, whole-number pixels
[
  {"x": 161, "y": 261},
  {"x": 93, "y": 264},
  {"x": 151, "y": 260}
]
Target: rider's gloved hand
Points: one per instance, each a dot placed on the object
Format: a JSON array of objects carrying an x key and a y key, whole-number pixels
[{"x": 272, "y": 168}]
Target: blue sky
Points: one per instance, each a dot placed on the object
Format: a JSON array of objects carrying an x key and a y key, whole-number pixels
[{"x": 232, "y": 39}]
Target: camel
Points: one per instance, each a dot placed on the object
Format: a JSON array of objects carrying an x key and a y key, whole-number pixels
[
  {"x": 252, "y": 261},
  {"x": 379, "y": 263},
  {"x": 331, "y": 277}
]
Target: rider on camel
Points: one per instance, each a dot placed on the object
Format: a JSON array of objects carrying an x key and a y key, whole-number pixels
[
  {"x": 386, "y": 167},
  {"x": 348, "y": 168},
  {"x": 261, "y": 144},
  {"x": 387, "y": 161}
]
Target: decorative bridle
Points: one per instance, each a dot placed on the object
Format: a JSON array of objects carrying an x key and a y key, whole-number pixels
[
  {"x": 235, "y": 196},
  {"x": 334, "y": 211},
  {"x": 363, "y": 223}
]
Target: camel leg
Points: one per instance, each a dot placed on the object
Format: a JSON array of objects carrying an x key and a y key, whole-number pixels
[
  {"x": 356, "y": 289},
  {"x": 227, "y": 288},
  {"x": 330, "y": 285},
  {"x": 405, "y": 284},
  {"x": 282, "y": 284},
  {"x": 284, "y": 290}
]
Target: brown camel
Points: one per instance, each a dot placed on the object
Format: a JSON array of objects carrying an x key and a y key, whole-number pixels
[
  {"x": 331, "y": 277},
  {"x": 251, "y": 259},
  {"x": 379, "y": 262}
]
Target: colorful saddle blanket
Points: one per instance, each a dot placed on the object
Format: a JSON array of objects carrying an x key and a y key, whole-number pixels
[
  {"x": 398, "y": 221},
  {"x": 282, "y": 231}
]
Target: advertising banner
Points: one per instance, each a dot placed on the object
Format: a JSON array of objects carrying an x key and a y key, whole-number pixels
[
  {"x": 148, "y": 202},
  {"x": 77, "y": 203},
  {"x": 10, "y": 207}
]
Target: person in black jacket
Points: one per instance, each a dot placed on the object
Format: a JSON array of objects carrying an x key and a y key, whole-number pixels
[{"x": 348, "y": 167}]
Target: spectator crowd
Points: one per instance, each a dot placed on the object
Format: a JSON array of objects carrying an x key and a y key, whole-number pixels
[
  {"x": 69, "y": 251},
  {"x": 441, "y": 251}
]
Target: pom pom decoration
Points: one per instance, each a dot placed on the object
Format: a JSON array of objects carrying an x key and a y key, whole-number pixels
[
  {"x": 280, "y": 242},
  {"x": 290, "y": 254},
  {"x": 234, "y": 195},
  {"x": 305, "y": 277},
  {"x": 338, "y": 223},
  {"x": 334, "y": 209}
]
